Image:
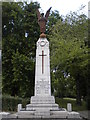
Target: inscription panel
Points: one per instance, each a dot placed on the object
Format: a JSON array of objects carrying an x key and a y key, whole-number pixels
[{"x": 42, "y": 87}]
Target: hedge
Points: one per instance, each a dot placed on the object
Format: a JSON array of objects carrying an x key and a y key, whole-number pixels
[{"x": 10, "y": 103}]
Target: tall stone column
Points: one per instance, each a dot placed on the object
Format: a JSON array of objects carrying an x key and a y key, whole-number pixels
[
  {"x": 42, "y": 73},
  {"x": 42, "y": 99}
]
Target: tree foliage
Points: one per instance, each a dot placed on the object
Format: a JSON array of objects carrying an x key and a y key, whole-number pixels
[
  {"x": 20, "y": 20},
  {"x": 69, "y": 53},
  {"x": 19, "y": 51}
]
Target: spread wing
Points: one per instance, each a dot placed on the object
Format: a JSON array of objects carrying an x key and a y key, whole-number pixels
[
  {"x": 38, "y": 14},
  {"x": 47, "y": 13}
]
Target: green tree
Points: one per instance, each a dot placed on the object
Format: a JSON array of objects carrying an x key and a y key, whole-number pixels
[
  {"x": 52, "y": 20},
  {"x": 19, "y": 19},
  {"x": 69, "y": 50},
  {"x": 88, "y": 71},
  {"x": 23, "y": 71}
]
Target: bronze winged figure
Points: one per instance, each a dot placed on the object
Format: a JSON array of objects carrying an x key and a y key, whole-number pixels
[{"x": 42, "y": 20}]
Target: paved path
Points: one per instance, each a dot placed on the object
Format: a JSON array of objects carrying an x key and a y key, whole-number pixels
[{"x": 85, "y": 114}]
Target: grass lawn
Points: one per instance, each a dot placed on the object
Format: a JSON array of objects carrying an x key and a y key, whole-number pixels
[{"x": 63, "y": 103}]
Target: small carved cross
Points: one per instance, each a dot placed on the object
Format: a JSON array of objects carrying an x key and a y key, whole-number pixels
[{"x": 42, "y": 61}]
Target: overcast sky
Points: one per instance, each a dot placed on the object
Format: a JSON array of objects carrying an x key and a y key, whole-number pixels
[{"x": 63, "y": 6}]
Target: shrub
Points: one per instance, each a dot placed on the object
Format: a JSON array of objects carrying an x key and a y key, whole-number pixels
[
  {"x": 63, "y": 104},
  {"x": 10, "y": 103}
]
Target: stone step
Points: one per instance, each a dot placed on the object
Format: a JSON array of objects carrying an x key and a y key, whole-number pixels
[
  {"x": 42, "y": 119},
  {"x": 42, "y": 100},
  {"x": 44, "y": 115},
  {"x": 42, "y": 112},
  {"x": 33, "y": 119},
  {"x": 42, "y": 106}
]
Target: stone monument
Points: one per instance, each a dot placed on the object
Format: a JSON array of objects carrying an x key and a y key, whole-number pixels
[
  {"x": 42, "y": 104},
  {"x": 42, "y": 101}
]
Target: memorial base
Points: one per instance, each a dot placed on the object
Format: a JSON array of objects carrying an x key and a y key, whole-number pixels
[
  {"x": 45, "y": 107},
  {"x": 42, "y": 105},
  {"x": 45, "y": 115}
]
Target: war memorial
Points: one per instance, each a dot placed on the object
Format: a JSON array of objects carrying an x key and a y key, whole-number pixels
[{"x": 42, "y": 104}]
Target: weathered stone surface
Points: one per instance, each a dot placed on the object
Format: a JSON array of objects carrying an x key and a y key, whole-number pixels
[
  {"x": 32, "y": 119},
  {"x": 61, "y": 115},
  {"x": 73, "y": 115},
  {"x": 42, "y": 100},
  {"x": 19, "y": 107},
  {"x": 69, "y": 107},
  {"x": 42, "y": 72},
  {"x": 42, "y": 104}
]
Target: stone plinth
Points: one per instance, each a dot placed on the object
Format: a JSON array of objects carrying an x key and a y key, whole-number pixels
[{"x": 42, "y": 100}]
